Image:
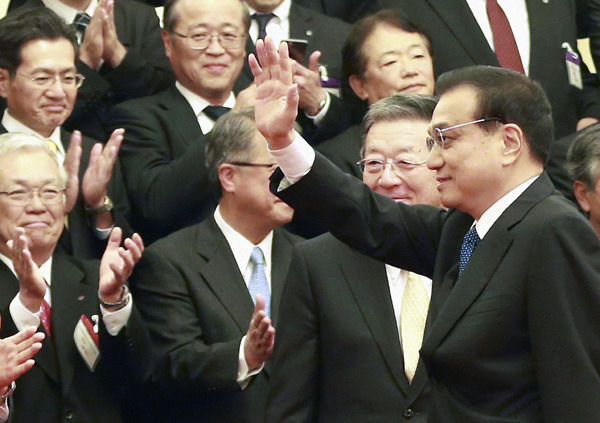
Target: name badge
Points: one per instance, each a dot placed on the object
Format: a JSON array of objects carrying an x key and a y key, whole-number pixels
[
  {"x": 87, "y": 342},
  {"x": 573, "y": 62}
]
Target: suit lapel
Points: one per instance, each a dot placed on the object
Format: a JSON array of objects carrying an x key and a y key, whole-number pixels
[
  {"x": 542, "y": 37},
  {"x": 483, "y": 264},
  {"x": 70, "y": 299},
  {"x": 459, "y": 20},
  {"x": 222, "y": 275},
  {"x": 281, "y": 255},
  {"x": 367, "y": 280},
  {"x": 181, "y": 114}
]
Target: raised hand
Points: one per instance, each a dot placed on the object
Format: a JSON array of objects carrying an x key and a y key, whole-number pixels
[
  {"x": 117, "y": 264},
  {"x": 277, "y": 96},
  {"x": 16, "y": 353},
  {"x": 309, "y": 84},
  {"x": 260, "y": 337},
  {"x": 92, "y": 46},
  {"x": 114, "y": 51},
  {"x": 72, "y": 163}
]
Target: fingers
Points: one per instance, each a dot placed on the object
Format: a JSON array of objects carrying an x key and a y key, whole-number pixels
[
  {"x": 313, "y": 61},
  {"x": 255, "y": 68},
  {"x": 72, "y": 163}
]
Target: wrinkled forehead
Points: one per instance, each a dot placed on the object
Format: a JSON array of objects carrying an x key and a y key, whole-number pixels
[{"x": 210, "y": 14}]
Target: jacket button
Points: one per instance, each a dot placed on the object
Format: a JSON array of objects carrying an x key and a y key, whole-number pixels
[
  {"x": 408, "y": 413},
  {"x": 68, "y": 413}
]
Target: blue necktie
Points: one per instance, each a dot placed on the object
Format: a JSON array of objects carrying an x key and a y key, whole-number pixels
[
  {"x": 258, "y": 279},
  {"x": 262, "y": 19},
  {"x": 469, "y": 243}
]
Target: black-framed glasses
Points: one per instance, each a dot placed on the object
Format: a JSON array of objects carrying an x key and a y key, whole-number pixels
[
  {"x": 46, "y": 81},
  {"x": 201, "y": 40},
  {"x": 22, "y": 196},
  {"x": 376, "y": 166},
  {"x": 438, "y": 140},
  {"x": 269, "y": 166}
]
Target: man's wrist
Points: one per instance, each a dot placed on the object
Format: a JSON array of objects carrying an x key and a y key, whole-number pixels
[
  {"x": 113, "y": 304},
  {"x": 7, "y": 391},
  {"x": 105, "y": 205}
]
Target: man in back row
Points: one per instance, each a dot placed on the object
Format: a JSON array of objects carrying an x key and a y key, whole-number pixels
[{"x": 514, "y": 314}]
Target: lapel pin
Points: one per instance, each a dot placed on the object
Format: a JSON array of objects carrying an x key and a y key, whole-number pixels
[
  {"x": 80, "y": 298},
  {"x": 309, "y": 32}
]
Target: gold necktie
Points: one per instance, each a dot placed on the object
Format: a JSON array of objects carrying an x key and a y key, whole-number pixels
[{"x": 415, "y": 303}]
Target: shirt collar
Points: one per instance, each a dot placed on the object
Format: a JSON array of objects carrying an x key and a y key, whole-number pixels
[
  {"x": 13, "y": 125},
  {"x": 198, "y": 103},
  {"x": 241, "y": 246},
  {"x": 67, "y": 12},
  {"x": 492, "y": 214},
  {"x": 282, "y": 11}
]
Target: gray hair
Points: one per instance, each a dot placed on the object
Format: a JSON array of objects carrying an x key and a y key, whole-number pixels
[
  {"x": 231, "y": 139},
  {"x": 398, "y": 107},
  {"x": 18, "y": 141},
  {"x": 171, "y": 16},
  {"x": 583, "y": 158}
]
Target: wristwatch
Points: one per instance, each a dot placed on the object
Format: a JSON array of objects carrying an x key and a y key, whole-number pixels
[
  {"x": 119, "y": 304},
  {"x": 10, "y": 391},
  {"x": 105, "y": 207}
]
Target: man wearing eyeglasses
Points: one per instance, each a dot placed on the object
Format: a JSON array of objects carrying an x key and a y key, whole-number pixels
[
  {"x": 39, "y": 80},
  {"x": 513, "y": 320},
  {"x": 196, "y": 288},
  {"x": 163, "y": 152},
  {"x": 95, "y": 342},
  {"x": 346, "y": 349}
]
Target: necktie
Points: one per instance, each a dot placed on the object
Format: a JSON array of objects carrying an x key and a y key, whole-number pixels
[
  {"x": 215, "y": 112},
  {"x": 258, "y": 279},
  {"x": 262, "y": 19},
  {"x": 81, "y": 22},
  {"x": 415, "y": 303},
  {"x": 505, "y": 45},
  {"x": 470, "y": 241},
  {"x": 46, "y": 317}
]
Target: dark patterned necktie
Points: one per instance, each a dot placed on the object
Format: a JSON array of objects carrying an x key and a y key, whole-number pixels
[
  {"x": 469, "y": 244},
  {"x": 46, "y": 317},
  {"x": 262, "y": 19},
  {"x": 81, "y": 22},
  {"x": 505, "y": 45},
  {"x": 215, "y": 112}
]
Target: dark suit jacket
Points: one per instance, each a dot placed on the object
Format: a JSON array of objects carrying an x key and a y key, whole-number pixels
[
  {"x": 522, "y": 318},
  {"x": 343, "y": 150},
  {"x": 197, "y": 307},
  {"x": 317, "y": 29},
  {"x": 60, "y": 386},
  {"x": 163, "y": 163},
  {"x": 79, "y": 239},
  {"x": 145, "y": 70},
  {"x": 338, "y": 356},
  {"x": 457, "y": 41},
  {"x": 346, "y": 10}
]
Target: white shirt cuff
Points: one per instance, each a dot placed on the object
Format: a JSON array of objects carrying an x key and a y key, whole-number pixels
[
  {"x": 319, "y": 116},
  {"x": 116, "y": 320},
  {"x": 244, "y": 374},
  {"x": 103, "y": 233},
  {"x": 296, "y": 159},
  {"x": 21, "y": 316}
]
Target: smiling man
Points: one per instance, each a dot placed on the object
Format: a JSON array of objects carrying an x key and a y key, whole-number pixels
[
  {"x": 384, "y": 54},
  {"x": 163, "y": 152},
  {"x": 515, "y": 306},
  {"x": 343, "y": 336}
]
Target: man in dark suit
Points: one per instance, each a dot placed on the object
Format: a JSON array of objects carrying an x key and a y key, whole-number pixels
[
  {"x": 341, "y": 340},
  {"x": 163, "y": 152},
  {"x": 384, "y": 54},
  {"x": 195, "y": 288},
  {"x": 37, "y": 48},
  {"x": 346, "y": 10},
  {"x": 121, "y": 56},
  {"x": 319, "y": 74},
  {"x": 514, "y": 310},
  {"x": 544, "y": 31},
  {"x": 95, "y": 340}
]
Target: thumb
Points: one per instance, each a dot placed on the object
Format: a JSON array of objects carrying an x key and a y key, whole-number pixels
[
  {"x": 114, "y": 241},
  {"x": 313, "y": 61},
  {"x": 260, "y": 303}
]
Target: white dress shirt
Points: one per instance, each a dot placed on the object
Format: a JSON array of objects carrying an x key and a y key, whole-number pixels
[
  {"x": 198, "y": 104},
  {"x": 278, "y": 27},
  {"x": 68, "y": 13}
]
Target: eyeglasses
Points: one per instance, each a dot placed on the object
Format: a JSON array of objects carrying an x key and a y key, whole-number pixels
[
  {"x": 269, "y": 166},
  {"x": 438, "y": 140},
  {"x": 46, "y": 81},
  {"x": 201, "y": 40},
  {"x": 376, "y": 166},
  {"x": 22, "y": 196}
]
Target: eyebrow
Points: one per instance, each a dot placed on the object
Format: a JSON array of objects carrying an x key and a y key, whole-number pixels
[{"x": 51, "y": 71}]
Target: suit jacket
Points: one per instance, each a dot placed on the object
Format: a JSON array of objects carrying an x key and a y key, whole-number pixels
[
  {"x": 163, "y": 163},
  {"x": 60, "y": 387},
  {"x": 338, "y": 356},
  {"x": 79, "y": 239},
  {"x": 346, "y": 10},
  {"x": 316, "y": 28},
  {"x": 522, "y": 318},
  {"x": 197, "y": 307},
  {"x": 344, "y": 150},
  {"x": 145, "y": 69},
  {"x": 457, "y": 41}
]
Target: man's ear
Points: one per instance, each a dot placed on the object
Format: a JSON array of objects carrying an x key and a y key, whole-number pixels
[
  {"x": 514, "y": 142},
  {"x": 581, "y": 193},
  {"x": 166, "y": 37},
  {"x": 227, "y": 173},
  {"x": 4, "y": 80},
  {"x": 358, "y": 87}
]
